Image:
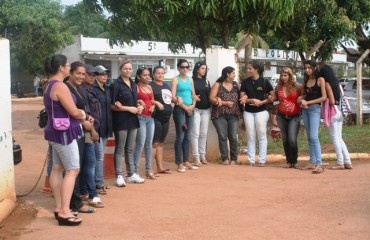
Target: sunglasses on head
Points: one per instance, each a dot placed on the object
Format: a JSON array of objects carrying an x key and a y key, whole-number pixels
[{"x": 183, "y": 67}]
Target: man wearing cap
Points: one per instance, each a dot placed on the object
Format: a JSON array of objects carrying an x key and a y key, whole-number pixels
[{"x": 106, "y": 129}]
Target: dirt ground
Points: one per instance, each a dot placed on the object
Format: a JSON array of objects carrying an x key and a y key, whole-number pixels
[{"x": 215, "y": 202}]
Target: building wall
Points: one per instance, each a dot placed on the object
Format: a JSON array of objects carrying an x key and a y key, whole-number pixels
[{"x": 7, "y": 187}]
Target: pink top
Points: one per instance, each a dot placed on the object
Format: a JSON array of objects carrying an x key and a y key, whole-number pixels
[{"x": 327, "y": 112}]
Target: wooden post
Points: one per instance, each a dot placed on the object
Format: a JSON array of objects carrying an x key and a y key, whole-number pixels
[
  {"x": 359, "y": 86},
  {"x": 314, "y": 49}
]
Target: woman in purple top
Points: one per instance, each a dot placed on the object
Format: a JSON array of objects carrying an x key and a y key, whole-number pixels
[{"x": 59, "y": 100}]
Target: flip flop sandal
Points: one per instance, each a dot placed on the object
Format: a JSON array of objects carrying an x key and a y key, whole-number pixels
[
  {"x": 165, "y": 171},
  {"x": 101, "y": 190},
  {"x": 89, "y": 210},
  {"x": 318, "y": 170},
  {"x": 95, "y": 202},
  {"x": 73, "y": 213},
  {"x": 337, "y": 167},
  {"x": 46, "y": 190},
  {"x": 69, "y": 221}
]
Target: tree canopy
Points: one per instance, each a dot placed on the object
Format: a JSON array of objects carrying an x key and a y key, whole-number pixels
[
  {"x": 332, "y": 21},
  {"x": 35, "y": 29},
  {"x": 82, "y": 20},
  {"x": 198, "y": 22}
]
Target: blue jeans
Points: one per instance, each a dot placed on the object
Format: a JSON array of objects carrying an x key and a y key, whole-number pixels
[
  {"x": 183, "y": 125},
  {"x": 256, "y": 124},
  {"x": 227, "y": 129},
  {"x": 36, "y": 91},
  {"x": 289, "y": 128},
  {"x": 125, "y": 142},
  {"x": 99, "y": 164},
  {"x": 144, "y": 138},
  {"x": 311, "y": 120},
  {"x": 87, "y": 172}
]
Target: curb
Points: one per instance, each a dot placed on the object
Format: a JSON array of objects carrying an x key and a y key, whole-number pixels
[{"x": 275, "y": 158}]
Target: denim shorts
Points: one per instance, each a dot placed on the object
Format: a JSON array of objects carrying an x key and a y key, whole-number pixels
[{"x": 66, "y": 155}]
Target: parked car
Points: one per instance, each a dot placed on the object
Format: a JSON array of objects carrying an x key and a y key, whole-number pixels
[
  {"x": 343, "y": 81},
  {"x": 350, "y": 90}
]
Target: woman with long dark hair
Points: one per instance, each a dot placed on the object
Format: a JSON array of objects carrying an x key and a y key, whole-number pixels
[
  {"x": 202, "y": 114},
  {"x": 333, "y": 91},
  {"x": 312, "y": 95},
  {"x": 224, "y": 97},
  {"x": 144, "y": 137},
  {"x": 59, "y": 102},
  {"x": 85, "y": 188}
]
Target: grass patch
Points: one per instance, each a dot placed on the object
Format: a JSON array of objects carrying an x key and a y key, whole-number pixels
[{"x": 357, "y": 139}]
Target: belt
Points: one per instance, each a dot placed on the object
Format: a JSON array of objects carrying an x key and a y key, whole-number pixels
[{"x": 286, "y": 116}]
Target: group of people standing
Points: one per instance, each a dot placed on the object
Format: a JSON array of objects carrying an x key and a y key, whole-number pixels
[{"x": 138, "y": 112}]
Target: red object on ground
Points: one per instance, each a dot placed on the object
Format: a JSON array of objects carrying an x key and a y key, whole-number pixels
[{"x": 109, "y": 160}]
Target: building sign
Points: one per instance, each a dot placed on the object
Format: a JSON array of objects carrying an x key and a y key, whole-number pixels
[{"x": 274, "y": 54}]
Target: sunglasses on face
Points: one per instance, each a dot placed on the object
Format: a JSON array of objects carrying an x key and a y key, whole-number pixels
[
  {"x": 183, "y": 67},
  {"x": 103, "y": 74}
]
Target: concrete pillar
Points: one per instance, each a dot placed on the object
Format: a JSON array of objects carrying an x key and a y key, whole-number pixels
[
  {"x": 7, "y": 187},
  {"x": 217, "y": 59}
]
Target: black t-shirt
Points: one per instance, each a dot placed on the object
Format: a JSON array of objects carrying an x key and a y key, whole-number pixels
[
  {"x": 202, "y": 88},
  {"x": 162, "y": 94},
  {"x": 120, "y": 91},
  {"x": 81, "y": 102},
  {"x": 257, "y": 89}
]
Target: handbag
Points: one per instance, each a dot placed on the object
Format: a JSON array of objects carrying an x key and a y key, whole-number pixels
[
  {"x": 43, "y": 118},
  {"x": 59, "y": 124},
  {"x": 344, "y": 107}
]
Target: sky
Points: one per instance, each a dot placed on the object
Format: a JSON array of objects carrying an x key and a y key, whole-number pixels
[{"x": 69, "y": 2}]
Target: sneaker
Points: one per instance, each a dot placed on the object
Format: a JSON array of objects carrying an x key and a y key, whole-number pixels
[
  {"x": 135, "y": 178},
  {"x": 120, "y": 181}
]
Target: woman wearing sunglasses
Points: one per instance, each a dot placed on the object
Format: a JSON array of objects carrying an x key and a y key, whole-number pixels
[{"x": 182, "y": 95}]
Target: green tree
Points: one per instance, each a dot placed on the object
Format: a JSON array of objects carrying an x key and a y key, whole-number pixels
[
  {"x": 359, "y": 12},
  {"x": 83, "y": 21},
  {"x": 198, "y": 22},
  {"x": 332, "y": 21},
  {"x": 35, "y": 30},
  {"x": 314, "y": 20}
]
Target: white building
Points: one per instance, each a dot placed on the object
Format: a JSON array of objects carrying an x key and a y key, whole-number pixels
[{"x": 97, "y": 51}]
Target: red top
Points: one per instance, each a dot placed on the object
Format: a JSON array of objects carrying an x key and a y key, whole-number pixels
[
  {"x": 147, "y": 98},
  {"x": 288, "y": 104}
]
